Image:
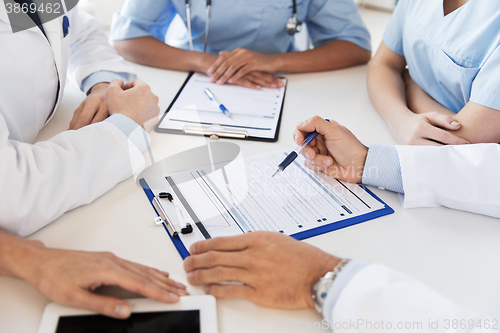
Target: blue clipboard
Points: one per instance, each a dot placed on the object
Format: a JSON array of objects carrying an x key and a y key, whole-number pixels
[{"x": 299, "y": 236}]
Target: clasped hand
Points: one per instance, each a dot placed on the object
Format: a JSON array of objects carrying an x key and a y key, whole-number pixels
[
  {"x": 246, "y": 68},
  {"x": 134, "y": 100}
]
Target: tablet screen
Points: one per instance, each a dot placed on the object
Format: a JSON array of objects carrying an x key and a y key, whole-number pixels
[{"x": 151, "y": 322}]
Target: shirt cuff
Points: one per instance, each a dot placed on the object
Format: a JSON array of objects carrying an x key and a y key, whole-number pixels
[
  {"x": 382, "y": 168},
  {"x": 341, "y": 281},
  {"x": 139, "y": 137},
  {"x": 102, "y": 76}
]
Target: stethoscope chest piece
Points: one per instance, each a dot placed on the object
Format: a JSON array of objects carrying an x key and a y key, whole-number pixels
[{"x": 293, "y": 25}]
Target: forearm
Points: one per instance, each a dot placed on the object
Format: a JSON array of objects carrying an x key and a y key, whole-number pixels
[
  {"x": 387, "y": 93},
  {"x": 333, "y": 55},
  {"x": 150, "y": 51},
  {"x": 14, "y": 253},
  {"x": 419, "y": 101}
]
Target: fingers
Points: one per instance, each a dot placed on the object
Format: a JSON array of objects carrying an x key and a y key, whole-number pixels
[
  {"x": 321, "y": 161},
  {"x": 92, "y": 104},
  {"x": 239, "y": 65},
  {"x": 263, "y": 79},
  {"x": 216, "y": 275},
  {"x": 76, "y": 115},
  {"x": 213, "y": 258},
  {"x": 230, "y": 291},
  {"x": 234, "y": 243},
  {"x": 138, "y": 284},
  {"x": 221, "y": 59},
  {"x": 442, "y": 136},
  {"x": 318, "y": 124},
  {"x": 244, "y": 82},
  {"x": 105, "y": 305},
  {"x": 101, "y": 114}
]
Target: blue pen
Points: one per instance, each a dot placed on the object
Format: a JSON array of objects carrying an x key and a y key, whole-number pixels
[
  {"x": 219, "y": 105},
  {"x": 295, "y": 153}
]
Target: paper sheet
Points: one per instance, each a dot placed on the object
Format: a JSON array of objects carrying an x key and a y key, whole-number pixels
[
  {"x": 242, "y": 197},
  {"x": 254, "y": 111}
]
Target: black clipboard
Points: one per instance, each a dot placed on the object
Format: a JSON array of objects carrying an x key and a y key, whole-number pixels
[{"x": 217, "y": 131}]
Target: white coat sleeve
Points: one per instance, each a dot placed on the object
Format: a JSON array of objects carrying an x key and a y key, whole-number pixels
[
  {"x": 379, "y": 299},
  {"x": 464, "y": 177},
  {"x": 90, "y": 51},
  {"x": 39, "y": 182}
]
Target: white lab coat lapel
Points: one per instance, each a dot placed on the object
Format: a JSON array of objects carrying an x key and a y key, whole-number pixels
[{"x": 60, "y": 47}]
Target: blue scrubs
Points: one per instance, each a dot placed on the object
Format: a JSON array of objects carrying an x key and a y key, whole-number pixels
[
  {"x": 258, "y": 25},
  {"x": 454, "y": 58}
]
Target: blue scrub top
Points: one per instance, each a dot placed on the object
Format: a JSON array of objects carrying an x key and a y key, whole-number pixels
[
  {"x": 454, "y": 58},
  {"x": 258, "y": 25}
]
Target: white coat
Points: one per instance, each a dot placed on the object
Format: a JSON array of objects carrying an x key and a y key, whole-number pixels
[
  {"x": 378, "y": 299},
  {"x": 461, "y": 177},
  {"x": 39, "y": 182}
]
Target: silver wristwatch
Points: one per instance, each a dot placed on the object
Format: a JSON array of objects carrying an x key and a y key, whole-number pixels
[{"x": 321, "y": 288}]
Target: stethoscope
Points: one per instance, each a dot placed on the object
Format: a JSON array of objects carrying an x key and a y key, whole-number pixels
[{"x": 293, "y": 25}]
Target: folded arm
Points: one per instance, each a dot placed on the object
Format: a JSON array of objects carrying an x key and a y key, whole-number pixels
[
  {"x": 479, "y": 124},
  {"x": 387, "y": 93}
]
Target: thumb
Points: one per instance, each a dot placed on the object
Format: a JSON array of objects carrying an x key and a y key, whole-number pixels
[
  {"x": 108, "y": 306},
  {"x": 443, "y": 121}
]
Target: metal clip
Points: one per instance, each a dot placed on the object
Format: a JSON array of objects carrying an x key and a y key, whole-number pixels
[{"x": 163, "y": 218}]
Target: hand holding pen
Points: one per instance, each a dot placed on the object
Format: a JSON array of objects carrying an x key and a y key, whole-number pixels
[
  {"x": 295, "y": 153},
  {"x": 335, "y": 151}
]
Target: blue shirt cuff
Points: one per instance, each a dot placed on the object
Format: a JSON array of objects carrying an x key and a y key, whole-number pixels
[
  {"x": 102, "y": 76},
  {"x": 139, "y": 137},
  {"x": 382, "y": 168},
  {"x": 341, "y": 281}
]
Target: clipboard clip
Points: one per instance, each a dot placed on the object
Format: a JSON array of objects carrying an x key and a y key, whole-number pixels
[
  {"x": 215, "y": 131},
  {"x": 163, "y": 218}
]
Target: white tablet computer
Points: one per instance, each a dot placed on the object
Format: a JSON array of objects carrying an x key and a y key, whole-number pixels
[{"x": 192, "y": 314}]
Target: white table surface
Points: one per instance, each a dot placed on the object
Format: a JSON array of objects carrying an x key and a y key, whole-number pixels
[{"x": 454, "y": 252}]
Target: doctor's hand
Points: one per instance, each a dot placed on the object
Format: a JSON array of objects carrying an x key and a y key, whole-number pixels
[
  {"x": 273, "y": 270},
  {"x": 335, "y": 151},
  {"x": 134, "y": 100},
  {"x": 93, "y": 109},
  {"x": 232, "y": 66},
  {"x": 69, "y": 277}
]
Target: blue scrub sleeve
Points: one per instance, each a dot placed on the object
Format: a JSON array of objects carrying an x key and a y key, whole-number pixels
[
  {"x": 139, "y": 18},
  {"x": 393, "y": 36},
  {"x": 487, "y": 82},
  {"x": 336, "y": 20}
]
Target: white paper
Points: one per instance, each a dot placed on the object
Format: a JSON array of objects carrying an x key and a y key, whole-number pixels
[
  {"x": 243, "y": 197},
  {"x": 254, "y": 111}
]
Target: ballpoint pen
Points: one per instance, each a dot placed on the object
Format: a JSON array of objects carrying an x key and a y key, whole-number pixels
[
  {"x": 216, "y": 102},
  {"x": 295, "y": 153}
]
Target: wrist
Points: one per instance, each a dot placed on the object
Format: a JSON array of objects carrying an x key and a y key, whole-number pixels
[
  {"x": 327, "y": 264},
  {"x": 98, "y": 86},
  {"x": 16, "y": 255},
  {"x": 203, "y": 61},
  {"x": 323, "y": 286},
  {"x": 276, "y": 62}
]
